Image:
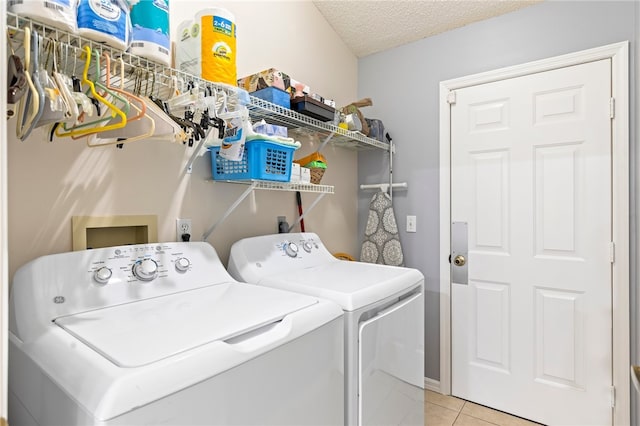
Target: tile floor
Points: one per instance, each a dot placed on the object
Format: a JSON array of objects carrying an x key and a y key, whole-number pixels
[{"x": 442, "y": 410}]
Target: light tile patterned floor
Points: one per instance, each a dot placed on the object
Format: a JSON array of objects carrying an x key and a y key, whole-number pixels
[{"x": 441, "y": 410}]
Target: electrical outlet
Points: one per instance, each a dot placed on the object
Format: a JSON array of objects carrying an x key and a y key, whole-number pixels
[
  {"x": 283, "y": 226},
  {"x": 411, "y": 224},
  {"x": 183, "y": 226}
]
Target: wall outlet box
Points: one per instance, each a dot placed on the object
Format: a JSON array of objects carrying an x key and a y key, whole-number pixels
[{"x": 183, "y": 228}]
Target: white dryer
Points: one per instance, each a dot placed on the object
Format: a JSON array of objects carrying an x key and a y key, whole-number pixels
[
  {"x": 161, "y": 334},
  {"x": 384, "y": 320}
]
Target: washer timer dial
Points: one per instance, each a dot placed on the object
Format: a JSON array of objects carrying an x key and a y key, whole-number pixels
[
  {"x": 102, "y": 275},
  {"x": 291, "y": 249},
  {"x": 182, "y": 264},
  {"x": 145, "y": 269},
  {"x": 307, "y": 246}
]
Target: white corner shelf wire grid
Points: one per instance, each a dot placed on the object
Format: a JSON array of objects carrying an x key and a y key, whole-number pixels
[
  {"x": 157, "y": 79},
  {"x": 286, "y": 186},
  {"x": 305, "y": 125},
  {"x": 322, "y": 190},
  {"x": 160, "y": 77}
]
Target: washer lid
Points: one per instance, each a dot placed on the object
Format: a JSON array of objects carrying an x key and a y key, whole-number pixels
[
  {"x": 143, "y": 332},
  {"x": 352, "y": 285}
]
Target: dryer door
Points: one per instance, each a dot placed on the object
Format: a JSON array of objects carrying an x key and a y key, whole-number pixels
[{"x": 391, "y": 370}]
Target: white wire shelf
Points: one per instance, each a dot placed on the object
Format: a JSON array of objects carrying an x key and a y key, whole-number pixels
[
  {"x": 158, "y": 82},
  {"x": 143, "y": 76},
  {"x": 305, "y": 125},
  {"x": 283, "y": 186},
  {"x": 253, "y": 185}
]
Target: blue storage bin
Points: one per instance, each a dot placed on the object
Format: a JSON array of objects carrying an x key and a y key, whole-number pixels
[
  {"x": 274, "y": 95},
  {"x": 262, "y": 160}
]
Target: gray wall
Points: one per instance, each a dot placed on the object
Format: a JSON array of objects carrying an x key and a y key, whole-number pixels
[{"x": 403, "y": 83}]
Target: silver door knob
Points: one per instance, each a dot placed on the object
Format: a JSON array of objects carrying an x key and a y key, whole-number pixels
[{"x": 459, "y": 260}]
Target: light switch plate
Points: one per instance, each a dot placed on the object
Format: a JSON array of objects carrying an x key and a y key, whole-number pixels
[{"x": 411, "y": 224}]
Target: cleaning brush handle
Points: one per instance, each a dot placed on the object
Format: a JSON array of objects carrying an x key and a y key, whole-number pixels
[{"x": 299, "y": 201}]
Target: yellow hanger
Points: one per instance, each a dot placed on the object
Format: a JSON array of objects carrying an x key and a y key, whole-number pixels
[
  {"x": 22, "y": 128},
  {"x": 115, "y": 110},
  {"x": 93, "y": 141},
  {"x": 98, "y": 125}
]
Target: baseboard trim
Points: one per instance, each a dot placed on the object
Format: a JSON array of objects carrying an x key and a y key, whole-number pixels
[{"x": 432, "y": 384}]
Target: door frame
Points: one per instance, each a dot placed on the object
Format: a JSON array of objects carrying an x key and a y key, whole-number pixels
[
  {"x": 4, "y": 252},
  {"x": 619, "y": 55}
]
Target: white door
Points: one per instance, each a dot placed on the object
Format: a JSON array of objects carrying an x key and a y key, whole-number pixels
[{"x": 531, "y": 177}]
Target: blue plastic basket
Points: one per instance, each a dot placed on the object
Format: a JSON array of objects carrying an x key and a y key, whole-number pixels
[{"x": 262, "y": 160}]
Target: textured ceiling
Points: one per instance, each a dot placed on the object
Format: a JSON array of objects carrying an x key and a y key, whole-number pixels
[{"x": 372, "y": 26}]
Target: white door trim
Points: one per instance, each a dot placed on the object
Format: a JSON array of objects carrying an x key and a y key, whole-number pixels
[
  {"x": 619, "y": 55},
  {"x": 4, "y": 252}
]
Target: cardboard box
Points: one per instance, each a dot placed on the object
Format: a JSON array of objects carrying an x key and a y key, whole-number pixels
[
  {"x": 273, "y": 78},
  {"x": 267, "y": 78},
  {"x": 305, "y": 175},
  {"x": 295, "y": 173}
]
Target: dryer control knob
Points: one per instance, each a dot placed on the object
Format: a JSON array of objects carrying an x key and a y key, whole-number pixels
[
  {"x": 291, "y": 249},
  {"x": 102, "y": 275},
  {"x": 182, "y": 264},
  {"x": 307, "y": 246},
  {"x": 145, "y": 270}
]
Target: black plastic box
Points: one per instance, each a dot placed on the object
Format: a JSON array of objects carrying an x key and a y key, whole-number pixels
[{"x": 316, "y": 109}]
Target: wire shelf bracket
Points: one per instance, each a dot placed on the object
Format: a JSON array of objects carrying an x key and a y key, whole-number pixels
[{"x": 271, "y": 186}]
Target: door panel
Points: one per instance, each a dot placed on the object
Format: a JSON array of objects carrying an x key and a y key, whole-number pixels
[{"x": 531, "y": 175}]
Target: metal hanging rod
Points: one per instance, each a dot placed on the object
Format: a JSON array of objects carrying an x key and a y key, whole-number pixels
[{"x": 385, "y": 186}]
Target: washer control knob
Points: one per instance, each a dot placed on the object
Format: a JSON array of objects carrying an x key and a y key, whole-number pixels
[
  {"x": 307, "y": 246},
  {"x": 145, "y": 270},
  {"x": 291, "y": 249},
  {"x": 102, "y": 275},
  {"x": 182, "y": 264}
]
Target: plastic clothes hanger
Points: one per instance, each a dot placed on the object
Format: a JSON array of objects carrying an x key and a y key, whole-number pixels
[
  {"x": 84, "y": 103},
  {"x": 16, "y": 80},
  {"x": 112, "y": 108},
  {"x": 188, "y": 127},
  {"x": 54, "y": 108},
  {"x": 71, "y": 109},
  {"x": 107, "y": 94},
  {"x": 35, "y": 76},
  {"x": 147, "y": 124},
  {"x": 31, "y": 101},
  {"x": 64, "y": 85},
  {"x": 80, "y": 106},
  {"x": 187, "y": 99},
  {"x": 142, "y": 107},
  {"x": 88, "y": 105},
  {"x": 107, "y": 115},
  {"x": 106, "y": 91},
  {"x": 166, "y": 128}
]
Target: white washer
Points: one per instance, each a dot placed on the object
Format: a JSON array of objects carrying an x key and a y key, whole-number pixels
[
  {"x": 161, "y": 334},
  {"x": 384, "y": 320}
]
